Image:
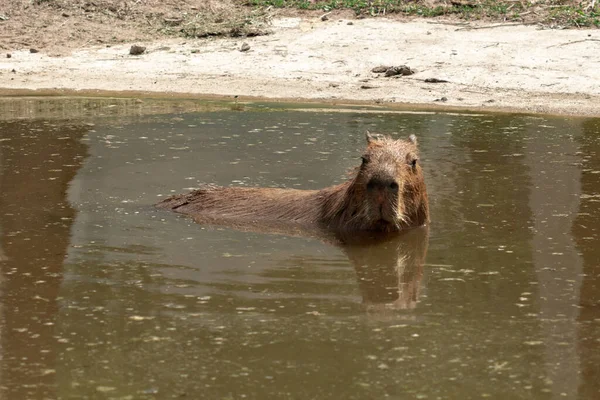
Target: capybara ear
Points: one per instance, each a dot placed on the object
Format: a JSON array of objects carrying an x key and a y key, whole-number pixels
[
  {"x": 413, "y": 139},
  {"x": 370, "y": 137},
  {"x": 373, "y": 138}
]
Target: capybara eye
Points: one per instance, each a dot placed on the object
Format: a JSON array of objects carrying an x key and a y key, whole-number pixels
[
  {"x": 413, "y": 163},
  {"x": 365, "y": 159},
  {"x": 394, "y": 186}
]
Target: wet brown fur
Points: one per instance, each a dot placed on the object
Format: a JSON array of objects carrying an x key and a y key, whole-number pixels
[{"x": 346, "y": 207}]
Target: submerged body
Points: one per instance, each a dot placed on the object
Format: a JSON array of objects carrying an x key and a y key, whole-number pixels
[{"x": 386, "y": 194}]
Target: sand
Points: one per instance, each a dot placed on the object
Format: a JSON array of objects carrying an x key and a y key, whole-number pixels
[{"x": 496, "y": 67}]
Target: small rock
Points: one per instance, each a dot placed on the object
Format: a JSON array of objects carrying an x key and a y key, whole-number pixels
[
  {"x": 442, "y": 99},
  {"x": 14, "y": 71},
  {"x": 435, "y": 80},
  {"x": 65, "y": 15},
  {"x": 136, "y": 50},
  {"x": 350, "y": 23},
  {"x": 8, "y": 55},
  {"x": 325, "y": 17},
  {"x": 32, "y": 50},
  {"x": 367, "y": 87},
  {"x": 245, "y": 47},
  {"x": 334, "y": 85},
  {"x": 393, "y": 71},
  {"x": 406, "y": 70},
  {"x": 403, "y": 70},
  {"x": 380, "y": 69}
]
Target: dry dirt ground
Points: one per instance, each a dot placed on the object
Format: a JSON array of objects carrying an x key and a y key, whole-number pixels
[{"x": 493, "y": 66}]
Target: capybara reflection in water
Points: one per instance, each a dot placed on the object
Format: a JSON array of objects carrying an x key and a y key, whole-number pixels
[{"x": 385, "y": 194}]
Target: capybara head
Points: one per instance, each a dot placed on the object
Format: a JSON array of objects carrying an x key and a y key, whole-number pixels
[{"x": 391, "y": 185}]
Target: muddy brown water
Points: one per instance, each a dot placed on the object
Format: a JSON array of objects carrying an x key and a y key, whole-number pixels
[{"x": 104, "y": 297}]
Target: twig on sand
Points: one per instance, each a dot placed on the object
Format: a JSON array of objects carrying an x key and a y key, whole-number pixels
[
  {"x": 448, "y": 23},
  {"x": 573, "y": 42},
  {"x": 490, "y": 26}
]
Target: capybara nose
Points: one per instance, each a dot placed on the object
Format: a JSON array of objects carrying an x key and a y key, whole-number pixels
[{"x": 382, "y": 184}]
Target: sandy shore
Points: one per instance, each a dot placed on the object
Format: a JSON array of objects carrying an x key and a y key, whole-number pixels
[{"x": 494, "y": 67}]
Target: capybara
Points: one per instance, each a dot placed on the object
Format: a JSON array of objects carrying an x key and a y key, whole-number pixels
[{"x": 386, "y": 193}]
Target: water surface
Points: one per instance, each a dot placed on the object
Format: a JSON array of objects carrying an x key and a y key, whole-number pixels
[{"x": 104, "y": 297}]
